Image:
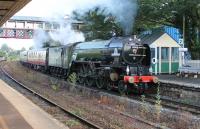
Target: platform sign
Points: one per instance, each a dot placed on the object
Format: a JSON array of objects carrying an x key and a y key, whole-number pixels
[
  {"x": 183, "y": 49},
  {"x": 181, "y": 42}
]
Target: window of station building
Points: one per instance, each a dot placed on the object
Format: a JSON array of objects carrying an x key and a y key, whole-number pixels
[
  {"x": 11, "y": 24},
  {"x": 175, "y": 54},
  {"x": 20, "y": 24},
  {"x": 48, "y": 26},
  {"x": 38, "y": 25},
  {"x": 165, "y": 54},
  {"x": 56, "y": 26},
  {"x": 30, "y": 25}
]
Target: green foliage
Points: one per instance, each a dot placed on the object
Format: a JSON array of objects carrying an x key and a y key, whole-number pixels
[
  {"x": 72, "y": 123},
  {"x": 190, "y": 9},
  {"x": 144, "y": 108},
  {"x": 2, "y": 53},
  {"x": 78, "y": 111},
  {"x": 98, "y": 25},
  {"x": 72, "y": 78},
  {"x": 54, "y": 84},
  {"x": 158, "y": 103},
  {"x": 151, "y": 14},
  {"x": 155, "y": 13},
  {"x": 8, "y": 52}
]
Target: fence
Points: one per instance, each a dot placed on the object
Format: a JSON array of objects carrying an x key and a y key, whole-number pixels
[{"x": 193, "y": 63}]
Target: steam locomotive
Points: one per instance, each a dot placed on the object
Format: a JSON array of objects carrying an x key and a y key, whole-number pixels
[{"x": 119, "y": 63}]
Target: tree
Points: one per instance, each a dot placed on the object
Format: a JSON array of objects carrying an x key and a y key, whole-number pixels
[
  {"x": 98, "y": 25},
  {"x": 5, "y": 48},
  {"x": 155, "y": 13},
  {"x": 190, "y": 11},
  {"x": 2, "y": 53}
]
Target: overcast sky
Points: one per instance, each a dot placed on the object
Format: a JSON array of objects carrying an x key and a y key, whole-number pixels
[
  {"x": 44, "y": 8},
  {"x": 39, "y": 8},
  {"x": 48, "y": 8},
  {"x": 59, "y": 8}
]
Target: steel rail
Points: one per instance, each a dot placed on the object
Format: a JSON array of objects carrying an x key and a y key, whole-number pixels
[
  {"x": 194, "y": 109},
  {"x": 179, "y": 86},
  {"x": 83, "y": 120}
]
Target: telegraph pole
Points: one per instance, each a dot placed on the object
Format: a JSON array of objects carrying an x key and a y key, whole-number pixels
[
  {"x": 183, "y": 54},
  {"x": 183, "y": 30}
]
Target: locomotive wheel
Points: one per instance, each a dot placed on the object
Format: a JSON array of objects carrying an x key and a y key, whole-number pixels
[
  {"x": 80, "y": 77},
  {"x": 80, "y": 80},
  {"x": 100, "y": 83},
  {"x": 122, "y": 88},
  {"x": 109, "y": 86},
  {"x": 89, "y": 82}
]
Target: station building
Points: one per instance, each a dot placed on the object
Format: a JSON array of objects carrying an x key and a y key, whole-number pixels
[
  {"x": 164, "y": 43},
  {"x": 22, "y": 27}
]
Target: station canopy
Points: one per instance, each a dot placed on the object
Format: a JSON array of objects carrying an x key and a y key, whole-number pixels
[{"x": 9, "y": 7}]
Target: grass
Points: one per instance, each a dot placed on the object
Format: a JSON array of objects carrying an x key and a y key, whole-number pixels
[
  {"x": 72, "y": 78},
  {"x": 175, "y": 120},
  {"x": 158, "y": 105},
  {"x": 144, "y": 106},
  {"x": 72, "y": 123},
  {"x": 78, "y": 111},
  {"x": 54, "y": 84}
]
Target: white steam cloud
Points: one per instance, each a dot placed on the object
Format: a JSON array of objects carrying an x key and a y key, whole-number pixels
[
  {"x": 64, "y": 35},
  {"x": 123, "y": 10},
  {"x": 67, "y": 35},
  {"x": 40, "y": 36}
]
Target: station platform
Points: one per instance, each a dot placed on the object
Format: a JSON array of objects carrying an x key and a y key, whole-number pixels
[
  {"x": 17, "y": 112},
  {"x": 182, "y": 81}
]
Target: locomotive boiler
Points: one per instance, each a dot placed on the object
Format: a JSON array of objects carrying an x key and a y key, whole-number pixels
[{"x": 119, "y": 63}]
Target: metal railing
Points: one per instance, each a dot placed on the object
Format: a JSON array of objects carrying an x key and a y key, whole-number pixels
[
  {"x": 190, "y": 66},
  {"x": 193, "y": 63}
]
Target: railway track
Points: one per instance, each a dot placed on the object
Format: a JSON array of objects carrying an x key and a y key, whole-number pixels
[
  {"x": 173, "y": 104},
  {"x": 90, "y": 124},
  {"x": 82, "y": 120},
  {"x": 166, "y": 102}
]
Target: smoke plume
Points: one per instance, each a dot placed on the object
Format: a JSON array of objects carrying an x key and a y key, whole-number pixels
[
  {"x": 40, "y": 36},
  {"x": 123, "y": 10},
  {"x": 67, "y": 35}
]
